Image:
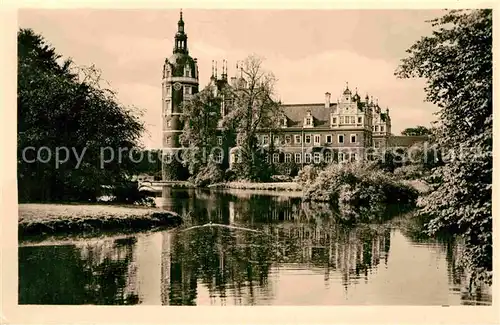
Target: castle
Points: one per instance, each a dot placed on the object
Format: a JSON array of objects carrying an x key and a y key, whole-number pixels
[{"x": 332, "y": 130}]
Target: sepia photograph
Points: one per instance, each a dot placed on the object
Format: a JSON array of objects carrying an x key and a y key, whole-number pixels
[{"x": 254, "y": 157}]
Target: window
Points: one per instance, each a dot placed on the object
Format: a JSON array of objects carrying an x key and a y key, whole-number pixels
[
  {"x": 167, "y": 73},
  {"x": 353, "y": 138},
  {"x": 267, "y": 158},
  {"x": 341, "y": 120},
  {"x": 168, "y": 109},
  {"x": 218, "y": 156},
  {"x": 297, "y": 139},
  {"x": 288, "y": 171},
  {"x": 276, "y": 157},
  {"x": 187, "y": 71},
  {"x": 317, "y": 157},
  {"x": 354, "y": 157},
  {"x": 377, "y": 144},
  {"x": 334, "y": 120},
  {"x": 381, "y": 128},
  {"x": 168, "y": 91},
  {"x": 341, "y": 138},
  {"x": 328, "y": 139},
  {"x": 284, "y": 122},
  {"x": 317, "y": 139},
  {"x": 298, "y": 158},
  {"x": 265, "y": 139},
  {"x": 187, "y": 90},
  {"x": 288, "y": 157},
  {"x": 276, "y": 139},
  {"x": 308, "y": 139},
  {"x": 307, "y": 158},
  {"x": 219, "y": 141},
  {"x": 169, "y": 123},
  {"x": 328, "y": 156},
  {"x": 360, "y": 120},
  {"x": 353, "y": 120},
  {"x": 308, "y": 121},
  {"x": 288, "y": 139},
  {"x": 376, "y": 128}
]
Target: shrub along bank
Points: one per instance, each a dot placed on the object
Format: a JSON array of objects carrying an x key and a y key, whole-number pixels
[{"x": 360, "y": 191}]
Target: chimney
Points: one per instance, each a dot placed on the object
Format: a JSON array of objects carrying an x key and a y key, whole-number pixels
[{"x": 327, "y": 99}]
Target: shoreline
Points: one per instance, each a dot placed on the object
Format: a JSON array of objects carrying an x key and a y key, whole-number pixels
[
  {"x": 263, "y": 186},
  {"x": 40, "y": 220}
]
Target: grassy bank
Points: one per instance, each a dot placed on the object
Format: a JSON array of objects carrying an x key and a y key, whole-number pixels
[
  {"x": 271, "y": 186},
  {"x": 52, "y": 219}
]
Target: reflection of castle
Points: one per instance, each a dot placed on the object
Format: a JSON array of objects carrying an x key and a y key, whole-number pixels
[{"x": 214, "y": 265}]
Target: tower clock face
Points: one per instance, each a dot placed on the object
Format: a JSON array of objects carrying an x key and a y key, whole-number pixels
[{"x": 177, "y": 86}]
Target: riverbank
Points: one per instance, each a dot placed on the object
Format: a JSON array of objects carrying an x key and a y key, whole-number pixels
[
  {"x": 52, "y": 219},
  {"x": 271, "y": 186}
]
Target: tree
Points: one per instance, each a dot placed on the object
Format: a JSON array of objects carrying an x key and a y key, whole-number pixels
[
  {"x": 65, "y": 106},
  {"x": 254, "y": 110},
  {"x": 202, "y": 114},
  {"x": 416, "y": 131},
  {"x": 457, "y": 63},
  {"x": 148, "y": 162}
]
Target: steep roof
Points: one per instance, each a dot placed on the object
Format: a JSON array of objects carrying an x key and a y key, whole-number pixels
[
  {"x": 297, "y": 112},
  {"x": 406, "y": 141}
]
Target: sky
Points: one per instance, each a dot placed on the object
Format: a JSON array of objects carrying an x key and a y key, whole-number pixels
[{"x": 309, "y": 51}]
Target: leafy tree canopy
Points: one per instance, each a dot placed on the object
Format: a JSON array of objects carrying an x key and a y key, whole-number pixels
[
  {"x": 61, "y": 105},
  {"x": 418, "y": 130},
  {"x": 456, "y": 60}
]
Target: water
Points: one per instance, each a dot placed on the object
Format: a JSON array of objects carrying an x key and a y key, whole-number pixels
[{"x": 275, "y": 250}]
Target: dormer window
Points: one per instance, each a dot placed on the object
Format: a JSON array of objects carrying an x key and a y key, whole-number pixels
[
  {"x": 284, "y": 122},
  {"x": 187, "y": 71},
  {"x": 308, "y": 120}
]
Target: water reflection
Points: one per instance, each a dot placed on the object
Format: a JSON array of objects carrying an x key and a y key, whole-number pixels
[{"x": 299, "y": 256}]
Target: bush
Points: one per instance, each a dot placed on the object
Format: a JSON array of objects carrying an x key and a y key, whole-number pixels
[
  {"x": 287, "y": 168},
  {"x": 307, "y": 174},
  {"x": 409, "y": 172},
  {"x": 209, "y": 174},
  {"x": 358, "y": 187}
]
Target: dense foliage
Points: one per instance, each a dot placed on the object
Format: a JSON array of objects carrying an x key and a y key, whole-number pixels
[
  {"x": 201, "y": 116},
  {"x": 457, "y": 63},
  {"x": 356, "y": 188},
  {"x": 148, "y": 162},
  {"x": 418, "y": 130},
  {"x": 61, "y": 105}
]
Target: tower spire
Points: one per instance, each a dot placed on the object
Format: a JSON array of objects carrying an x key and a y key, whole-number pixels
[
  {"x": 224, "y": 69},
  {"x": 180, "y": 37}
]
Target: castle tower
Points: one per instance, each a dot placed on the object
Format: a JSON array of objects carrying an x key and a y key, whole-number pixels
[{"x": 179, "y": 83}]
